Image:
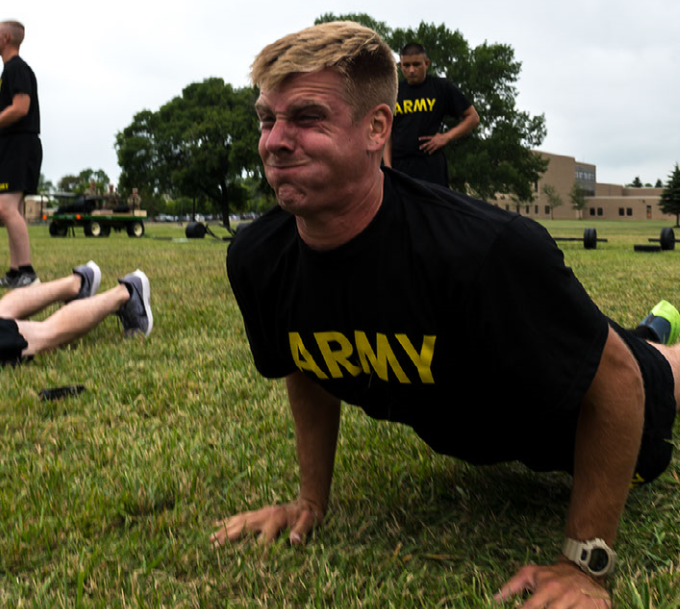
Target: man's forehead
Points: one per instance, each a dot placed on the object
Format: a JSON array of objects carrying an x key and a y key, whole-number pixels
[
  {"x": 417, "y": 58},
  {"x": 304, "y": 88}
]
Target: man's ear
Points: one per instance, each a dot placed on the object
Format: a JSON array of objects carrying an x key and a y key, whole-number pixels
[{"x": 379, "y": 126}]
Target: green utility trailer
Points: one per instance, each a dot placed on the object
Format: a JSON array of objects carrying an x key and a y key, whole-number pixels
[{"x": 95, "y": 222}]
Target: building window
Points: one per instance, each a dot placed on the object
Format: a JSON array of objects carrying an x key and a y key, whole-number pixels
[
  {"x": 547, "y": 210},
  {"x": 629, "y": 211},
  {"x": 536, "y": 209},
  {"x": 600, "y": 211},
  {"x": 592, "y": 211},
  {"x": 621, "y": 211}
]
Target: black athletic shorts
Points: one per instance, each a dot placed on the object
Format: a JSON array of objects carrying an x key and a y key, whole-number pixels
[
  {"x": 656, "y": 448},
  {"x": 20, "y": 162},
  {"x": 12, "y": 343}
]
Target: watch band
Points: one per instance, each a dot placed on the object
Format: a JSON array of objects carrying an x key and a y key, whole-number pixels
[{"x": 593, "y": 556}]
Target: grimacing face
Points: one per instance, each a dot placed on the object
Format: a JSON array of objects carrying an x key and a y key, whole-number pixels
[
  {"x": 414, "y": 68},
  {"x": 312, "y": 150}
]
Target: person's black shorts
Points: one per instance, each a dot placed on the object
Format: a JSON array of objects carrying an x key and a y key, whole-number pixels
[
  {"x": 656, "y": 448},
  {"x": 12, "y": 343},
  {"x": 20, "y": 162}
]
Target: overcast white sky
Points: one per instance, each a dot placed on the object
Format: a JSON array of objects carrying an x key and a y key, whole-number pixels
[{"x": 604, "y": 72}]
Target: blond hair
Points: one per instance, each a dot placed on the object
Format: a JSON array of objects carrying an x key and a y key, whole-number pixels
[
  {"x": 357, "y": 53},
  {"x": 15, "y": 31}
]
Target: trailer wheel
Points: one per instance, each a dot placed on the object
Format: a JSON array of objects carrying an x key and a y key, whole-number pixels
[
  {"x": 93, "y": 229},
  {"x": 135, "y": 229},
  {"x": 57, "y": 230}
]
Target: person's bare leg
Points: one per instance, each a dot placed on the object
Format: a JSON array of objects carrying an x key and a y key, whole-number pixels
[
  {"x": 17, "y": 231},
  {"x": 72, "y": 320},
  {"x": 20, "y": 304}
]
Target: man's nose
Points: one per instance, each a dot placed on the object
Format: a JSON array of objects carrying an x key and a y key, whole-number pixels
[{"x": 281, "y": 135}]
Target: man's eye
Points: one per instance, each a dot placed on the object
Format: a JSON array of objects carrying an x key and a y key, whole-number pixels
[{"x": 311, "y": 117}]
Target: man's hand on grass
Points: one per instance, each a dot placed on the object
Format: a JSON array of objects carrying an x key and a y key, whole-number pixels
[
  {"x": 560, "y": 586},
  {"x": 300, "y": 517}
]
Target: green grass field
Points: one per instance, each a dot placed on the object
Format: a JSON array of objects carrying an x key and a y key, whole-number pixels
[{"x": 107, "y": 499}]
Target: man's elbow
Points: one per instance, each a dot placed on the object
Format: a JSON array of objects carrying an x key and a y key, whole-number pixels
[{"x": 474, "y": 119}]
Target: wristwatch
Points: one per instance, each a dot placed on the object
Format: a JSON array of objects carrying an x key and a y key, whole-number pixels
[{"x": 594, "y": 556}]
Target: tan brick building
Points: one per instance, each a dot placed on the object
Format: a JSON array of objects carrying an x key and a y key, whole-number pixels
[{"x": 603, "y": 201}]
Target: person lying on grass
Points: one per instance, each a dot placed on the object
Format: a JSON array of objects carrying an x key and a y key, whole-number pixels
[
  {"x": 435, "y": 310},
  {"x": 21, "y": 339}
]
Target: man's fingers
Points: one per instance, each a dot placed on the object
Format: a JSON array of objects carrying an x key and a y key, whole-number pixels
[
  {"x": 523, "y": 580},
  {"x": 269, "y": 523},
  {"x": 275, "y": 522},
  {"x": 230, "y": 529},
  {"x": 305, "y": 523}
]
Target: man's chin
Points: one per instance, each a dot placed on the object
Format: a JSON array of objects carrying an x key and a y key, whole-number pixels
[{"x": 289, "y": 197}]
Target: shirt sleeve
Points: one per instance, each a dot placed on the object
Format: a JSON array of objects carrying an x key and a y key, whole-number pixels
[
  {"x": 255, "y": 303},
  {"x": 456, "y": 102},
  {"x": 19, "y": 81}
]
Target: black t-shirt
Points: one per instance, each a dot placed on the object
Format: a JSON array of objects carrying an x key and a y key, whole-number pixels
[
  {"x": 420, "y": 111},
  {"x": 17, "y": 77},
  {"x": 446, "y": 313}
]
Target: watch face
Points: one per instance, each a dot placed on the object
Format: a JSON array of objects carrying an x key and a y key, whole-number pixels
[{"x": 599, "y": 560}]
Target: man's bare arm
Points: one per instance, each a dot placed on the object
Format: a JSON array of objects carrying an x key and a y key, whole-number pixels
[
  {"x": 316, "y": 415},
  {"x": 607, "y": 444},
  {"x": 468, "y": 122},
  {"x": 19, "y": 107}
]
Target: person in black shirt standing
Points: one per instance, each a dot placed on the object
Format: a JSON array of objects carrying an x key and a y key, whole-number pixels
[
  {"x": 423, "y": 101},
  {"x": 20, "y": 152}
]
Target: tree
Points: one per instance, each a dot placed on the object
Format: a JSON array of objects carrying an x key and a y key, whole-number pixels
[
  {"x": 670, "y": 196},
  {"x": 636, "y": 183},
  {"x": 497, "y": 156},
  {"x": 68, "y": 183},
  {"x": 200, "y": 144},
  {"x": 86, "y": 180},
  {"x": 577, "y": 196},
  {"x": 94, "y": 182},
  {"x": 554, "y": 199},
  {"x": 659, "y": 183}
]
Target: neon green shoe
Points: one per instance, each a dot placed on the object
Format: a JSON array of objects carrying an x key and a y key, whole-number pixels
[{"x": 664, "y": 321}]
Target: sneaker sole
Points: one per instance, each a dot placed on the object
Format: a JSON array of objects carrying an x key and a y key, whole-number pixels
[
  {"x": 146, "y": 294},
  {"x": 97, "y": 281}
]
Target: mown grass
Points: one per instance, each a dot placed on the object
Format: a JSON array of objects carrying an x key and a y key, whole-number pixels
[{"x": 108, "y": 499}]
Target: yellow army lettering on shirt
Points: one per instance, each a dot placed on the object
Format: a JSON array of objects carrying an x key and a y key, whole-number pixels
[
  {"x": 384, "y": 359},
  {"x": 4, "y": 186},
  {"x": 409, "y": 106}
]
